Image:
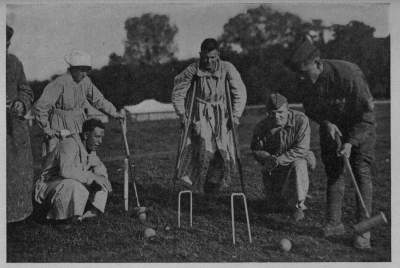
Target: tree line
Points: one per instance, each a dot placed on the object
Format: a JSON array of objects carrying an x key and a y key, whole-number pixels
[{"x": 257, "y": 42}]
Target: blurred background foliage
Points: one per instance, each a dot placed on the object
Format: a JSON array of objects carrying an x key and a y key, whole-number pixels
[{"x": 256, "y": 42}]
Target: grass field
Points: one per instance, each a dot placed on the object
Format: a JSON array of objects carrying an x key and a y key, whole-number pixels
[{"x": 116, "y": 236}]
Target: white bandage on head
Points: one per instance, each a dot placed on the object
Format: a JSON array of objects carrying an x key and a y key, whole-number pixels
[{"x": 78, "y": 58}]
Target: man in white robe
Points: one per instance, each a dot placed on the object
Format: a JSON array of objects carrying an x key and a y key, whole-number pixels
[{"x": 74, "y": 183}]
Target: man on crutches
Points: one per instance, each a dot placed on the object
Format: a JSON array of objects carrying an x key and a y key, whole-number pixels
[
  {"x": 207, "y": 152},
  {"x": 337, "y": 97},
  {"x": 281, "y": 144}
]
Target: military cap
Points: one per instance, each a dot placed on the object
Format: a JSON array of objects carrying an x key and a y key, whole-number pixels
[
  {"x": 10, "y": 32},
  {"x": 275, "y": 101},
  {"x": 302, "y": 53}
]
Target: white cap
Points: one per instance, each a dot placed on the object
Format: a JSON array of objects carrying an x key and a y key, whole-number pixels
[{"x": 78, "y": 58}]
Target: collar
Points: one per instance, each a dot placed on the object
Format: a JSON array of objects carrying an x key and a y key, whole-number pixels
[
  {"x": 325, "y": 72},
  {"x": 68, "y": 74},
  {"x": 216, "y": 74},
  {"x": 290, "y": 121}
]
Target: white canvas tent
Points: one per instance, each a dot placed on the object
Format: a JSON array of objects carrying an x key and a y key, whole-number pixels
[{"x": 149, "y": 110}]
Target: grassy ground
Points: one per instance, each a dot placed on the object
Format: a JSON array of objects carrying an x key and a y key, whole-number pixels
[{"x": 116, "y": 236}]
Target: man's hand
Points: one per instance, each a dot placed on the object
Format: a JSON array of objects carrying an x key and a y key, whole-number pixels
[
  {"x": 333, "y": 130},
  {"x": 103, "y": 182},
  {"x": 182, "y": 120},
  {"x": 270, "y": 163},
  {"x": 120, "y": 115},
  {"x": 18, "y": 108},
  {"x": 346, "y": 150},
  {"x": 63, "y": 133}
]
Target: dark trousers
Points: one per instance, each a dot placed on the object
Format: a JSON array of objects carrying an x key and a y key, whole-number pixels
[{"x": 361, "y": 160}]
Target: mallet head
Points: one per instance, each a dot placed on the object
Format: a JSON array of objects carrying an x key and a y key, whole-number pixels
[{"x": 367, "y": 224}]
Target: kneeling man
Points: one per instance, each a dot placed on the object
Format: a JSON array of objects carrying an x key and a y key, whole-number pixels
[
  {"x": 74, "y": 183},
  {"x": 281, "y": 144}
]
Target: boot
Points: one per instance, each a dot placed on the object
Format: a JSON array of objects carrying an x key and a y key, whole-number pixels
[
  {"x": 298, "y": 215},
  {"x": 331, "y": 229},
  {"x": 362, "y": 241}
]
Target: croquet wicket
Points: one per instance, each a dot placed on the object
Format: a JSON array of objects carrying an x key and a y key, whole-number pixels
[
  {"x": 179, "y": 206},
  {"x": 233, "y": 215}
]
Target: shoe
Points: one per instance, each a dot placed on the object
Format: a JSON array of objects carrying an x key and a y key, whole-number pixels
[
  {"x": 65, "y": 225},
  {"x": 362, "y": 241},
  {"x": 88, "y": 214},
  {"x": 187, "y": 180},
  {"x": 333, "y": 230},
  {"x": 298, "y": 215}
]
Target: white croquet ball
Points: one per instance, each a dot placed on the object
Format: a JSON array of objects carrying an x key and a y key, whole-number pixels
[
  {"x": 285, "y": 244},
  {"x": 149, "y": 232}
]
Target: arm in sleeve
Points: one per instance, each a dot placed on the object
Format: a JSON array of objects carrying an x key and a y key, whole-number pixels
[
  {"x": 301, "y": 146},
  {"x": 97, "y": 99},
  {"x": 362, "y": 110},
  {"x": 97, "y": 166},
  {"x": 70, "y": 166},
  {"x": 25, "y": 93},
  {"x": 45, "y": 103},
  {"x": 182, "y": 83},
  {"x": 238, "y": 91},
  {"x": 314, "y": 110}
]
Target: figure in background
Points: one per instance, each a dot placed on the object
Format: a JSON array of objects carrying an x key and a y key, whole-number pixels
[{"x": 19, "y": 99}]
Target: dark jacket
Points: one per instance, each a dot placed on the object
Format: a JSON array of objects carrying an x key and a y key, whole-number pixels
[{"x": 341, "y": 96}]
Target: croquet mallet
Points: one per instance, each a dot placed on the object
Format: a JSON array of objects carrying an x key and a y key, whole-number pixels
[
  {"x": 128, "y": 161},
  {"x": 370, "y": 222}
]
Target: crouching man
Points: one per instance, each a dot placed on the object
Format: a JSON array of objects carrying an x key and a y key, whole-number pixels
[
  {"x": 74, "y": 184},
  {"x": 281, "y": 144}
]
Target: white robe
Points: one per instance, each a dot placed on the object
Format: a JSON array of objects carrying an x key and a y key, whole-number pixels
[{"x": 66, "y": 182}]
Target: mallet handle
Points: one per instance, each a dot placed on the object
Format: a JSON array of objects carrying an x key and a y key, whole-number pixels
[
  {"x": 347, "y": 163},
  {"x": 353, "y": 178},
  {"x": 123, "y": 127},
  {"x": 126, "y": 183}
]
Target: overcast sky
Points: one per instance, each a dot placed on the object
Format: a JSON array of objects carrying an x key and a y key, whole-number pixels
[{"x": 45, "y": 33}]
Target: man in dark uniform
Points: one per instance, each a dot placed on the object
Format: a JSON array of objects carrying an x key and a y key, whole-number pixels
[
  {"x": 19, "y": 152},
  {"x": 337, "y": 97},
  {"x": 281, "y": 144}
]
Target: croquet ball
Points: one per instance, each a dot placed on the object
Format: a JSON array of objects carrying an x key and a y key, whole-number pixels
[
  {"x": 167, "y": 228},
  {"x": 142, "y": 217},
  {"x": 149, "y": 232},
  {"x": 285, "y": 244}
]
